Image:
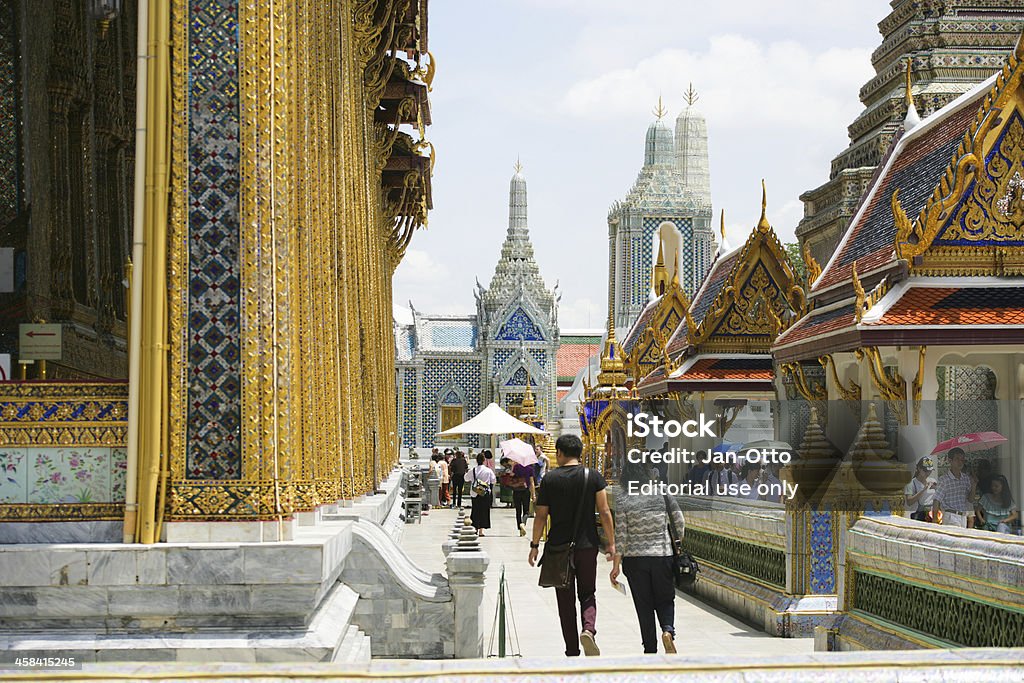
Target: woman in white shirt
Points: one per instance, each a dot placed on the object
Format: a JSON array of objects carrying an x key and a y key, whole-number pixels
[
  {"x": 920, "y": 492},
  {"x": 481, "y": 491}
]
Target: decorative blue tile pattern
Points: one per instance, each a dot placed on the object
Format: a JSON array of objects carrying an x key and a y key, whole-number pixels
[
  {"x": 519, "y": 327},
  {"x": 823, "y": 572},
  {"x": 438, "y": 374},
  {"x": 408, "y": 417},
  {"x": 452, "y": 398},
  {"x": 214, "y": 359},
  {"x": 519, "y": 378},
  {"x": 541, "y": 357},
  {"x": 453, "y": 336},
  {"x": 501, "y": 357},
  {"x": 512, "y": 400}
]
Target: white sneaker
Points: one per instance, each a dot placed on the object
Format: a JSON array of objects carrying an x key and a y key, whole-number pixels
[
  {"x": 522, "y": 529},
  {"x": 590, "y": 647}
]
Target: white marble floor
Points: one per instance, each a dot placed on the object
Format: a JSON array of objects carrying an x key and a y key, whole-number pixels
[{"x": 701, "y": 630}]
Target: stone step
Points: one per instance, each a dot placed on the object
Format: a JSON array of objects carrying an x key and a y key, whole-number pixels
[{"x": 320, "y": 642}]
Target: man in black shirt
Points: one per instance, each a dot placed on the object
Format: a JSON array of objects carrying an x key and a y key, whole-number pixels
[{"x": 559, "y": 496}]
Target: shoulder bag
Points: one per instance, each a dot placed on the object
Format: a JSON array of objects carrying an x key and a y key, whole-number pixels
[
  {"x": 684, "y": 567},
  {"x": 480, "y": 488},
  {"x": 556, "y": 565}
]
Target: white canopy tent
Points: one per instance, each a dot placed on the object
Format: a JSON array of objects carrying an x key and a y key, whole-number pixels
[{"x": 492, "y": 420}]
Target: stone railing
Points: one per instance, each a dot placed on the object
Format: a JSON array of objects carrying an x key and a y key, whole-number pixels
[
  {"x": 62, "y": 455},
  {"x": 907, "y": 585},
  {"x": 749, "y": 554},
  {"x": 744, "y": 537}
]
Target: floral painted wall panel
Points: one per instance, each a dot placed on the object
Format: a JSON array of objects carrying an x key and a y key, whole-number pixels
[
  {"x": 13, "y": 475},
  {"x": 70, "y": 475}
]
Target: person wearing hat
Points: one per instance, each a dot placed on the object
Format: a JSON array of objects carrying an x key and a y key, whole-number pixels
[{"x": 920, "y": 492}]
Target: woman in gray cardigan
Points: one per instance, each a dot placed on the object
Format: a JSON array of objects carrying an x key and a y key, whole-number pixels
[{"x": 644, "y": 554}]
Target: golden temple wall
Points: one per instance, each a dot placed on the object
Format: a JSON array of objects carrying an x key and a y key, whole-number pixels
[{"x": 316, "y": 343}]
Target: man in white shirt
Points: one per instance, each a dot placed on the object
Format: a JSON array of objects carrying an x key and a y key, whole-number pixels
[{"x": 954, "y": 492}]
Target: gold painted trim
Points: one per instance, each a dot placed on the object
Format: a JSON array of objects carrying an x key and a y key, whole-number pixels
[{"x": 62, "y": 512}]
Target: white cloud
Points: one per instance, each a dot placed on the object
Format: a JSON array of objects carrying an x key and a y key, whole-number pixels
[
  {"x": 420, "y": 268},
  {"x": 582, "y": 313},
  {"x": 741, "y": 82}
]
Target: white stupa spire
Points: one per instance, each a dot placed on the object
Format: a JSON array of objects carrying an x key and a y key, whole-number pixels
[{"x": 692, "y": 149}]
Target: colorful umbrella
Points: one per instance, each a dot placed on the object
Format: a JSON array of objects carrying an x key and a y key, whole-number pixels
[
  {"x": 519, "y": 451},
  {"x": 971, "y": 442}
]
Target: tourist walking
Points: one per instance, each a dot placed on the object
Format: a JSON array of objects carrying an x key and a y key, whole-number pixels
[
  {"x": 645, "y": 527},
  {"x": 570, "y": 495},
  {"x": 521, "y": 479},
  {"x": 457, "y": 474},
  {"x": 481, "y": 492},
  {"x": 997, "y": 510},
  {"x": 920, "y": 492},
  {"x": 954, "y": 492},
  {"x": 442, "y": 465}
]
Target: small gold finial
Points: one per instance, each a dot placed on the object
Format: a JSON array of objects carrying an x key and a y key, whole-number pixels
[
  {"x": 675, "y": 268},
  {"x": 519, "y": 166},
  {"x": 660, "y": 110},
  {"x": 1018, "y": 51},
  {"x": 722, "y": 229},
  {"x": 909, "y": 95},
  {"x": 691, "y": 96},
  {"x": 763, "y": 224}
]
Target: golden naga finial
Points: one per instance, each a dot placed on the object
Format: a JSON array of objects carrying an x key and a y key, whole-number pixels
[
  {"x": 519, "y": 166},
  {"x": 909, "y": 95},
  {"x": 763, "y": 224},
  {"x": 660, "y": 110},
  {"x": 810, "y": 265},
  {"x": 722, "y": 229},
  {"x": 858, "y": 289},
  {"x": 1018, "y": 51},
  {"x": 691, "y": 96}
]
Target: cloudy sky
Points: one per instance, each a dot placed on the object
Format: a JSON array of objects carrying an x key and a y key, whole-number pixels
[{"x": 568, "y": 86}]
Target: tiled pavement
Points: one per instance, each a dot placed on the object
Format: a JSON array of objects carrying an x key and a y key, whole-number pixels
[{"x": 701, "y": 630}]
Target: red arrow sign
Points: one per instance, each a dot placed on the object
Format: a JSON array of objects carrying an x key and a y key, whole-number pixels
[{"x": 40, "y": 334}]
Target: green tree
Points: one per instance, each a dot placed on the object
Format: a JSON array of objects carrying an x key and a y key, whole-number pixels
[{"x": 796, "y": 260}]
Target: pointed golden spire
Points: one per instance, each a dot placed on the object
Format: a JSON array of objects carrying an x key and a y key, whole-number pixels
[
  {"x": 660, "y": 110},
  {"x": 675, "y": 269},
  {"x": 660, "y": 276},
  {"x": 1018, "y": 51},
  {"x": 691, "y": 96},
  {"x": 519, "y": 166},
  {"x": 613, "y": 368},
  {"x": 763, "y": 225}
]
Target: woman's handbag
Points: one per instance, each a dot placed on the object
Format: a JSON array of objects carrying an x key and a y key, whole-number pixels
[
  {"x": 556, "y": 564},
  {"x": 480, "y": 488},
  {"x": 684, "y": 567}
]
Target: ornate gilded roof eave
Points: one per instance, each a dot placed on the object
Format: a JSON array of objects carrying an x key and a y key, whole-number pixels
[
  {"x": 762, "y": 237},
  {"x": 914, "y": 237},
  {"x": 851, "y": 393},
  {"x": 810, "y": 265},
  {"x": 796, "y": 372},
  {"x": 891, "y": 387}
]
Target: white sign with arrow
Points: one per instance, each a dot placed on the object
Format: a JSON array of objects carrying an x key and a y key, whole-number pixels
[{"x": 39, "y": 341}]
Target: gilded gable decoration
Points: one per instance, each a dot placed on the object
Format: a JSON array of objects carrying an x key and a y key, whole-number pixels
[{"x": 973, "y": 224}]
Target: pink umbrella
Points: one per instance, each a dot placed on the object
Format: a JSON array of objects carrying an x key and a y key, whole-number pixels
[
  {"x": 971, "y": 442},
  {"x": 519, "y": 451}
]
